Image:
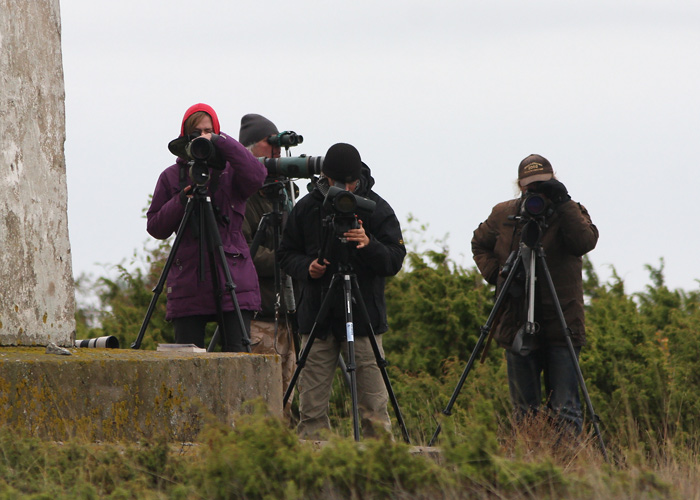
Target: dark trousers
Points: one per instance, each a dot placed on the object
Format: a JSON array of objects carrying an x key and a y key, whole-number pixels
[
  {"x": 190, "y": 330},
  {"x": 560, "y": 383}
]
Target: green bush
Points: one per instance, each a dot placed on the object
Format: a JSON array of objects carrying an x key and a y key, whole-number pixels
[{"x": 639, "y": 365}]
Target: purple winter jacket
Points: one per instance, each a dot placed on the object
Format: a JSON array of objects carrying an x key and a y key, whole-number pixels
[{"x": 187, "y": 295}]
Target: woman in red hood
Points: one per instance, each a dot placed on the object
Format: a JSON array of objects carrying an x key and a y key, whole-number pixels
[{"x": 234, "y": 175}]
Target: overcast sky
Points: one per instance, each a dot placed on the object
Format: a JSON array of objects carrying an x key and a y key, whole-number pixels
[{"x": 442, "y": 99}]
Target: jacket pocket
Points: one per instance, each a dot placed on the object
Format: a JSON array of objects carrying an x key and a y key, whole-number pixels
[
  {"x": 242, "y": 271},
  {"x": 182, "y": 277}
]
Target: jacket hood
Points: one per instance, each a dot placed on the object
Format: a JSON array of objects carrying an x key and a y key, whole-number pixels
[
  {"x": 201, "y": 107},
  {"x": 366, "y": 180}
]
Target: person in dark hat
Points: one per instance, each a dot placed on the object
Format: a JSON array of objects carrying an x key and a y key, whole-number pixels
[
  {"x": 374, "y": 249},
  {"x": 568, "y": 234},
  {"x": 254, "y": 134},
  {"x": 192, "y": 301},
  {"x": 271, "y": 329}
]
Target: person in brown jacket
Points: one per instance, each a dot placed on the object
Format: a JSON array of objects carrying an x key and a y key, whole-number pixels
[{"x": 567, "y": 234}]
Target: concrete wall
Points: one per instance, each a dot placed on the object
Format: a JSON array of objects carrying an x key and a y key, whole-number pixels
[
  {"x": 36, "y": 283},
  {"x": 124, "y": 394}
]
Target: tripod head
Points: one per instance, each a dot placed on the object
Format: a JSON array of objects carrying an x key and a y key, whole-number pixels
[
  {"x": 199, "y": 172},
  {"x": 532, "y": 233},
  {"x": 333, "y": 228},
  {"x": 342, "y": 208},
  {"x": 533, "y": 229},
  {"x": 281, "y": 192}
]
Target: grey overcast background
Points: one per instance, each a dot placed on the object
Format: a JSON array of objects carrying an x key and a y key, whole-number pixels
[{"x": 442, "y": 99}]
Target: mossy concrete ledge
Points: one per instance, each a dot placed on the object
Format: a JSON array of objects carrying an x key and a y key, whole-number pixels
[{"x": 121, "y": 394}]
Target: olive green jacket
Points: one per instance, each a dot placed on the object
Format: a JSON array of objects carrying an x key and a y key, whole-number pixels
[{"x": 264, "y": 258}]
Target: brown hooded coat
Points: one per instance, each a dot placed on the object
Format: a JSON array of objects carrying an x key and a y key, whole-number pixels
[{"x": 568, "y": 236}]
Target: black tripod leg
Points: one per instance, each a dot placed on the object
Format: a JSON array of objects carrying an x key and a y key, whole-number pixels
[
  {"x": 381, "y": 362},
  {"x": 350, "y": 340},
  {"x": 164, "y": 274},
  {"x": 479, "y": 343},
  {"x": 572, "y": 351},
  {"x": 214, "y": 340},
  {"x": 215, "y": 238},
  {"x": 259, "y": 235},
  {"x": 475, "y": 353},
  {"x": 301, "y": 362},
  {"x": 216, "y": 286}
]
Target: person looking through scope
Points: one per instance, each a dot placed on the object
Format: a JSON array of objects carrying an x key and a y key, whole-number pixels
[
  {"x": 567, "y": 233},
  {"x": 270, "y": 331},
  {"x": 372, "y": 247},
  {"x": 215, "y": 167}
]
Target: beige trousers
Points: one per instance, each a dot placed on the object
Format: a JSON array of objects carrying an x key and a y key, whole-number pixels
[
  {"x": 264, "y": 341},
  {"x": 316, "y": 380}
]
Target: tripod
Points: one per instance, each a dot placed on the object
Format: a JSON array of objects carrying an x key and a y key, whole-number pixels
[
  {"x": 531, "y": 246},
  {"x": 211, "y": 238},
  {"x": 274, "y": 218},
  {"x": 276, "y": 193},
  {"x": 346, "y": 278}
]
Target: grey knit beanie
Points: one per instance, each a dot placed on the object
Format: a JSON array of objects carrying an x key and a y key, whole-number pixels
[{"x": 255, "y": 128}]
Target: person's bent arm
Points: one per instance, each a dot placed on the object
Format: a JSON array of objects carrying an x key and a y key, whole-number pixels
[
  {"x": 578, "y": 232},
  {"x": 292, "y": 253},
  {"x": 166, "y": 210},
  {"x": 483, "y": 245},
  {"x": 383, "y": 249},
  {"x": 249, "y": 174}
]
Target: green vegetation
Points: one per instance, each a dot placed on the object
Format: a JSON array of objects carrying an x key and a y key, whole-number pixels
[
  {"x": 262, "y": 458},
  {"x": 640, "y": 365}
]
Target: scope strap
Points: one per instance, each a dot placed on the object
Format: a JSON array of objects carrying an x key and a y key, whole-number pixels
[
  {"x": 214, "y": 181},
  {"x": 183, "y": 176},
  {"x": 516, "y": 224}
]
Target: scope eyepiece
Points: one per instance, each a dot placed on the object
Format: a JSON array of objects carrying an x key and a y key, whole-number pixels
[
  {"x": 344, "y": 202},
  {"x": 200, "y": 149},
  {"x": 285, "y": 139},
  {"x": 534, "y": 205}
]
